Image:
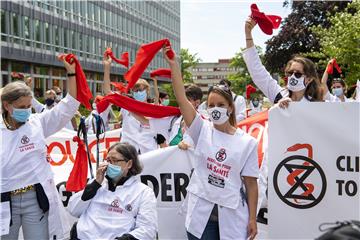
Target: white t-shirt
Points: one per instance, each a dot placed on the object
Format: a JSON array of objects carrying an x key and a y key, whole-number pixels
[
  {"x": 137, "y": 134},
  {"x": 221, "y": 161}
]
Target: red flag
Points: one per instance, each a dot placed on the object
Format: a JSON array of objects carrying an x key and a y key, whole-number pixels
[
  {"x": 161, "y": 72},
  {"x": 144, "y": 56},
  {"x": 124, "y": 60},
  {"x": 266, "y": 22},
  {"x": 83, "y": 94},
  {"x": 141, "y": 108},
  {"x": 78, "y": 176}
]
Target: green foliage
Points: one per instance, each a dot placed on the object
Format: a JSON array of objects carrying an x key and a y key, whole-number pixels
[
  {"x": 341, "y": 41},
  {"x": 187, "y": 61},
  {"x": 242, "y": 77},
  {"x": 167, "y": 87},
  {"x": 296, "y": 35}
]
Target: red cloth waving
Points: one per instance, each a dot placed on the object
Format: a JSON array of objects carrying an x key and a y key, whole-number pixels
[
  {"x": 161, "y": 72},
  {"x": 78, "y": 176},
  {"x": 124, "y": 60},
  {"x": 119, "y": 86},
  {"x": 266, "y": 22},
  {"x": 83, "y": 94},
  {"x": 141, "y": 108},
  {"x": 330, "y": 68},
  {"x": 144, "y": 56},
  {"x": 249, "y": 90}
]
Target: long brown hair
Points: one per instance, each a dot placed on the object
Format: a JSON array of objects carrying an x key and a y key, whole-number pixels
[
  {"x": 313, "y": 91},
  {"x": 224, "y": 90}
]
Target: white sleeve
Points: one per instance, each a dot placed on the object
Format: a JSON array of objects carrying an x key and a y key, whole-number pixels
[
  {"x": 161, "y": 126},
  {"x": 240, "y": 108},
  {"x": 146, "y": 225},
  {"x": 329, "y": 97},
  {"x": 76, "y": 206},
  {"x": 260, "y": 76},
  {"x": 105, "y": 114},
  {"x": 251, "y": 167},
  {"x": 38, "y": 107},
  {"x": 195, "y": 128},
  {"x": 55, "y": 119}
]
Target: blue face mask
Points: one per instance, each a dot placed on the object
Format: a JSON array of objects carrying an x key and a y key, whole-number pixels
[
  {"x": 21, "y": 115},
  {"x": 113, "y": 171},
  {"x": 337, "y": 92},
  {"x": 140, "y": 95}
]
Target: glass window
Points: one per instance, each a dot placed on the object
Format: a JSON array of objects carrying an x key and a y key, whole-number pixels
[
  {"x": 73, "y": 39},
  {"x": 47, "y": 34},
  {"x": 15, "y": 24},
  {"x": 66, "y": 38},
  {"x": 90, "y": 13},
  {"x": 56, "y": 35},
  {"x": 3, "y": 21}
]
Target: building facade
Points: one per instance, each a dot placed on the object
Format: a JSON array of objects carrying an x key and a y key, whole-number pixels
[
  {"x": 209, "y": 74},
  {"x": 33, "y": 33}
]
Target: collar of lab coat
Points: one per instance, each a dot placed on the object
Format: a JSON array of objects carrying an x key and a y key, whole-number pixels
[{"x": 123, "y": 182}]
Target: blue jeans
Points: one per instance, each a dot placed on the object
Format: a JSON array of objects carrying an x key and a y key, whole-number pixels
[
  {"x": 211, "y": 232},
  {"x": 27, "y": 213}
]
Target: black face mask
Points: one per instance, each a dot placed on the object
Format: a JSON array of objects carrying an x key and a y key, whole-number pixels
[
  {"x": 255, "y": 103},
  {"x": 49, "y": 102}
]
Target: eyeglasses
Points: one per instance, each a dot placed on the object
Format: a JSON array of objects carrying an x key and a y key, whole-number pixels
[
  {"x": 58, "y": 93},
  {"x": 114, "y": 160},
  {"x": 297, "y": 74}
]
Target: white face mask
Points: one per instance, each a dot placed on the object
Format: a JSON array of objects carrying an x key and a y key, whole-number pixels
[
  {"x": 218, "y": 115},
  {"x": 296, "y": 84}
]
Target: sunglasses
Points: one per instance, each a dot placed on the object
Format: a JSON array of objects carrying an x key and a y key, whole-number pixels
[
  {"x": 297, "y": 74},
  {"x": 222, "y": 87}
]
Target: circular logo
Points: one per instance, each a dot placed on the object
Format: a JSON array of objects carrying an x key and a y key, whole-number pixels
[
  {"x": 128, "y": 207},
  {"x": 25, "y": 140},
  {"x": 294, "y": 182},
  {"x": 216, "y": 115},
  {"x": 293, "y": 81},
  {"x": 221, "y": 155},
  {"x": 115, "y": 203}
]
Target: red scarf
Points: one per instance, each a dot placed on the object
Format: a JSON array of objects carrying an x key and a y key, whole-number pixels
[
  {"x": 83, "y": 93},
  {"x": 78, "y": 176},
  {"x": 266, "y": 22},
  {"x": 141, "y": 108},
  {"x": 124, "y": 57},
  {"x": 330, "y": 68},
  {"x": 161, "y": 72},
  {"x": 119, "y": 86},
  {"x": 144, "y": 56},
  {"x": 250, "y": 90}
]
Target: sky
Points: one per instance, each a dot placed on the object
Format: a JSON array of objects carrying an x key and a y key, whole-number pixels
[{"x": 214, "y": 29}]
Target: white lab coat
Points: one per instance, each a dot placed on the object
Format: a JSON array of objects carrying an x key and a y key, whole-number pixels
[
  {"x": 261, "y": 77},
  {"x": 217, "y": 179},
  {"x": 131, "y": 209},
  {"x": 137, "y": 134},
  {"x": 39, "y": 107},
  {"x": 23, "y": 157}
]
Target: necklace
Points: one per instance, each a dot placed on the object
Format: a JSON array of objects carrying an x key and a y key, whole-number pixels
[{"x": 7, "y": 124}]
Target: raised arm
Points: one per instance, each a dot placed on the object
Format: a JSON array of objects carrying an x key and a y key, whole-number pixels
[
  {"x": 107, "y": 66},
  {"x": 327, "y": 95},
  {"x": 260, "y": 76},
  {"x": 187, "y": 110},
  {"x": 156, "y": 91}
]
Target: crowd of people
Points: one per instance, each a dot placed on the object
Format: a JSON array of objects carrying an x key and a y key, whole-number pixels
[{"x": 217, "y": 206}]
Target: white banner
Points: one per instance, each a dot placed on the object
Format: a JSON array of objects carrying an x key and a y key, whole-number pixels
[
  {"x": 167, "y": 171},
  {"x": 314, "y": 168}
]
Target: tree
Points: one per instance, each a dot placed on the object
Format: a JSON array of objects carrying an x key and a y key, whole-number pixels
[
  {"x": 341, "y": 41},
  {"x": 296, "y": 35},
  {"x": 242, "y": 78},
  {"x": 187, "y": 61}
]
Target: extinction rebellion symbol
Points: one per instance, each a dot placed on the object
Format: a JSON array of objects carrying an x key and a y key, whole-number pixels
[
  {"x": 216, "y": 115},
  {"x": 221, "y": 155},
  {"x": 299, "y": 181},
  {"x": 25, "y": 140},
  {"x": 293, "y": 81}
]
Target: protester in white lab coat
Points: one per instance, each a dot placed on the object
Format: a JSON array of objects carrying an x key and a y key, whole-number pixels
[
  {"x": 121, "y": 207},
  {"x": 133, "y": 131},
  {"x": 90, "y": 121},
  {"x": 338, "y": 87},
  {"x": 303, "y": 82},
  {"x": 226, "y": 160},
  {"x": 28, "y": 192}
]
